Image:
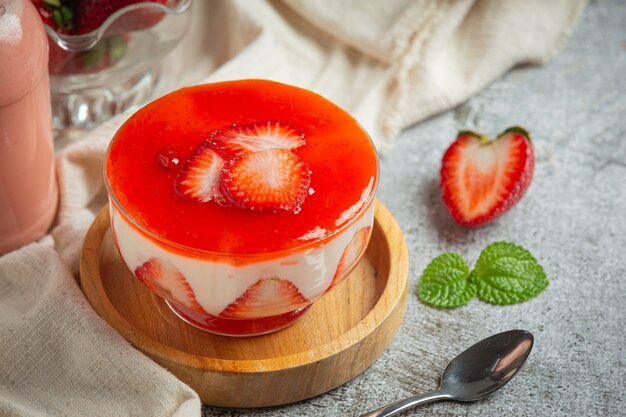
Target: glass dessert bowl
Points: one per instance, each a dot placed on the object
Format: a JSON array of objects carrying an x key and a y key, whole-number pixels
[
  {"x": 103, "y": 60},
  {"x": 241, "y": 203}
]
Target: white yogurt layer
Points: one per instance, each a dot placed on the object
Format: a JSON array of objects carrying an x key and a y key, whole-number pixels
[{"x": 216, "y": 284}]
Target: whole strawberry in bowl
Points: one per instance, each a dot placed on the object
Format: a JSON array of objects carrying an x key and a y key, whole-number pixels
[
  {"x": 104, "y": 54},
  {"x": 133, "y": 16}
]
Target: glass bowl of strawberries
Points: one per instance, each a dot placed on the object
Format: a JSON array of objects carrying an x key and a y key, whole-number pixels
[{"x": 104, "y": 55}]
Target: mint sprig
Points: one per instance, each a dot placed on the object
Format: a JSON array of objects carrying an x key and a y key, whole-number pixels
[
  {"x": 505, "y": 273},
  {"x": 444, "y": 282},
  {"x": 508, "y": 274}
]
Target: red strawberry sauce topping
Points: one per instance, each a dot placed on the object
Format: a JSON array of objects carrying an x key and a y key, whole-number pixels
[{"x": 317, "y": 157}]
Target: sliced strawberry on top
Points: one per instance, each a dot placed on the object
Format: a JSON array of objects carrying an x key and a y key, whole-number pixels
[
  {"x": 200, "y": 178},
  {"x": 168, "y": 282},
  {"x": 237, "y": 140},
  {"x": 481, "y": 179},
  {"x": 355, "y": 247},
  {"x": 267, "y": 180},
  {"x": 267, "y": 297}
]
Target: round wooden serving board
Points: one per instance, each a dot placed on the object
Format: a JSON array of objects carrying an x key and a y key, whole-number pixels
[{"x": 341, "y": 336}]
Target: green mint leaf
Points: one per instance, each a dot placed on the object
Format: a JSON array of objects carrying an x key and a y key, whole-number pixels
[
  {"x": 507, "y": 274},
  {"x": 444, "y": 282}
]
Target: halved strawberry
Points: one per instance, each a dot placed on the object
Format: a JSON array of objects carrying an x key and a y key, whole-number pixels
[
  {"x": 200, "y": 178},
  {"x": 267, "y": 180},
  {"x": 356, "y": 246},
  {"x": 481, "y": 179},
  {"x": 168, "y": 282},
  {"x": 267, "y": 297},
  {"x": 237, "y": 140}
]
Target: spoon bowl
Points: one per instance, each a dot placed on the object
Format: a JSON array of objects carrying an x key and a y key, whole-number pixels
[
  {"x": 475, "y": 373},
  {"x": 486, "y": 366}
]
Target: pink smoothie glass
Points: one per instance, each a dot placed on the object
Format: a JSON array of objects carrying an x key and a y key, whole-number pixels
[{"x": 28, "y": 188}]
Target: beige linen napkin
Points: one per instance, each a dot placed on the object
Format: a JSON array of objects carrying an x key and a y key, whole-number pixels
[{"x": 391, "y": 63}]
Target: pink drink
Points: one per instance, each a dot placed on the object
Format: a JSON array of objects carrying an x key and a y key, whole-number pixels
[{"x": 28, "y": 189}]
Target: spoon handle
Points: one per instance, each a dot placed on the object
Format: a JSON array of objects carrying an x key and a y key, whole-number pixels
[{"x": 403, "y": 405}]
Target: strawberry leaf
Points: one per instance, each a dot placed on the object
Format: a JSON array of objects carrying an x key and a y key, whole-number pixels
[
  {"x": 117, "y": 47},
  {"x": 507, "y": 274},
  {"x": 58, "y": 18},
  {"x": 444, "y": 282},
  {"x": 67, "y": 14},
  {"x": 95, "y": 55}
]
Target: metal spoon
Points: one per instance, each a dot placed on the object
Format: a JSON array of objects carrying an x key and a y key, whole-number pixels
[{"x": 474, "y": 374}]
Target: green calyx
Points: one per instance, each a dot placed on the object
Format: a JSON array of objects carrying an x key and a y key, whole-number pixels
[
  {"x": 485, "y": 140},
  {"x": 63, "y": 16},
  {"x": 516, "y": 129},
  {"x": 112, "y": 48},
  {"x": 117, "y": 47},
  {"x": 95, "y": 55},
  {"x": 505, "y": 273}
]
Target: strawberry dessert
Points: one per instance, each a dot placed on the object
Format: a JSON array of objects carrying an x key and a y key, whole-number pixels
[{"x": 241, "y": 203}]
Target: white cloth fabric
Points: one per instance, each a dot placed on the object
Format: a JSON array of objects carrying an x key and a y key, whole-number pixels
[{"x": 390, "y": 63}]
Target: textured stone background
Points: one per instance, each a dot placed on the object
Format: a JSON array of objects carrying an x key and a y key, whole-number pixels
[{"x": 573, "y": 219}]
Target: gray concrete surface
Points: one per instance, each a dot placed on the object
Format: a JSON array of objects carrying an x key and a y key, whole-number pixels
[{"x": 573, "y": 219}]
